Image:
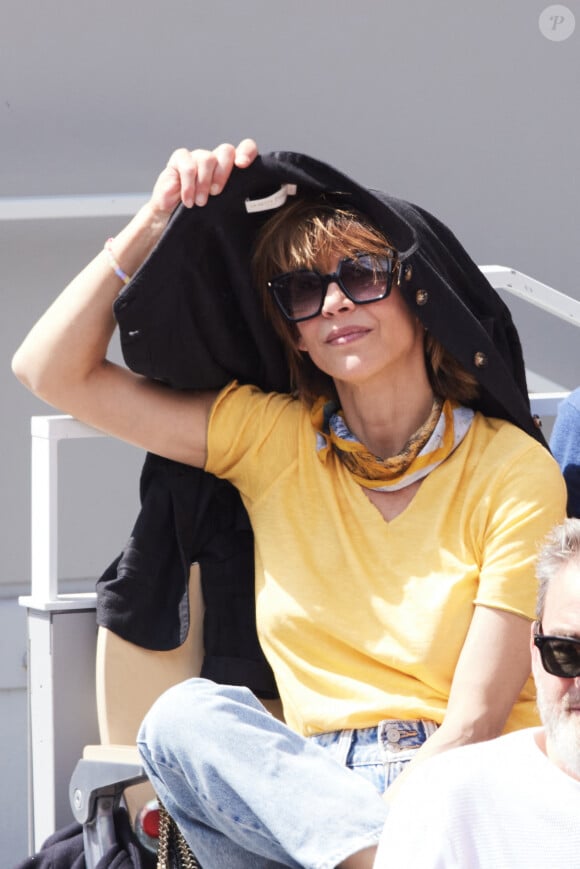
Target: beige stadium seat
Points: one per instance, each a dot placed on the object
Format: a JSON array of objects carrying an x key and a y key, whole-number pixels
[{"x": 129, "y": 679}]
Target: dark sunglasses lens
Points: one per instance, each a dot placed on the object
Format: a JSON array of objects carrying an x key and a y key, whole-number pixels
[
  {"x": 562, "y": 658},
  {"x": 299, "y": 294},
  {"x": 366, "y": 278}
]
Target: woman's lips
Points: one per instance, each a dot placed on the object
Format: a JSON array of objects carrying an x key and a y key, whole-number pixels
[{"x": 346, "y": 334}]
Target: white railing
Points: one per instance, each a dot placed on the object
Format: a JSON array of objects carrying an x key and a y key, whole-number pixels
[
  {"x": 536, "y": 293},
  {"x": 70, "y": 207},
  {"x": 46, "y": 434}
]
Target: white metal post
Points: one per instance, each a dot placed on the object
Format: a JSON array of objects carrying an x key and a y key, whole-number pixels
[{"x": 61, "y": 641}]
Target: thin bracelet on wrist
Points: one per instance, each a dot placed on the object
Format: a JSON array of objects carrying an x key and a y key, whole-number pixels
[{"x": 114, "y": 264}]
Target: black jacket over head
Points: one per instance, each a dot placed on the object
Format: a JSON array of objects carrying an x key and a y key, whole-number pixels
[{"x": 191, "y": 318}]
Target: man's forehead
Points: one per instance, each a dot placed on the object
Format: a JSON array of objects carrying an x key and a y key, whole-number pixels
[{"x": 562, "y": 605}]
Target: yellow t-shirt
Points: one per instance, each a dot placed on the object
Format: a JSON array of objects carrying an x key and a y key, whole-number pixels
[{"x": 363, "y": 619}]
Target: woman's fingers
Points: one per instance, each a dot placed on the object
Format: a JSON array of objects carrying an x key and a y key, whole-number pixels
[
  {"x": 176, "y": 182},
  {"x": 192, "y": 176},
  {"x": 187, "y": 166},
  {"x": 246, "y": 153},
  {"x": 215, "y": 167},
  {"x": 214, "y": 172}
]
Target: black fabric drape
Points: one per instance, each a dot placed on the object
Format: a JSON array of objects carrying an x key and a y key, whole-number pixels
[{"x": 187, "y": 516}]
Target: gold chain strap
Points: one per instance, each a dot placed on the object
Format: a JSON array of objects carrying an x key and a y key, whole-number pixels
[
  {"x": 186, "y": 857},
  {"x": 164, "y": 835},
  {"x": 171, "y": 840}
]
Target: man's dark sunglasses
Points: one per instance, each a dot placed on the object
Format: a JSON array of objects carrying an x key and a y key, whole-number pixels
[
  {"x": 363, "y": 278},
  {"x": 560, "y": 655}
]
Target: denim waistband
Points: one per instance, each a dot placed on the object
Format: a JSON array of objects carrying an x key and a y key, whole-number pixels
[
  {"x": 380, "y": 752},
  {"x": 394, "y": 734}
]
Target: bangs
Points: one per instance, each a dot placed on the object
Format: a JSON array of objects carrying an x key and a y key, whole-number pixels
[{"x": 311, "y": 234}]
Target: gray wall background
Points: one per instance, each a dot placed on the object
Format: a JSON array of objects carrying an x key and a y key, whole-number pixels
[{"x": 465, "y": 107}]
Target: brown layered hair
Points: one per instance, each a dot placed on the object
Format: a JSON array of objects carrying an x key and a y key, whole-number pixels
[{"x": 310, "y": 233}]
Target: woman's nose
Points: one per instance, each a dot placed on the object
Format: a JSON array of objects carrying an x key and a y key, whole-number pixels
[{"x": 335, "y": 301}]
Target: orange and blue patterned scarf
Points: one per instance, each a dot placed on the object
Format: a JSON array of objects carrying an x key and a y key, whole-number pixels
[{"x": 441, "y": 434}]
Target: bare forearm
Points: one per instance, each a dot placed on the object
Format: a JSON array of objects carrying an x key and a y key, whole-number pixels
[
  {"x": 69, "y": 343},
  {"x": 487, "y": 725}
]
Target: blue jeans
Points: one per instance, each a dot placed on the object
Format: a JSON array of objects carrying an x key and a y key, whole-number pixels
[
  {"x": 247, "y": 792},
  {"x": 379, "y": 753}
]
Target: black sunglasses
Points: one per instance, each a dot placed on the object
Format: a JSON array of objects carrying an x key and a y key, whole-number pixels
[
  {"x": 560, "y": 655},
  {"x": 363, "y": 278}
]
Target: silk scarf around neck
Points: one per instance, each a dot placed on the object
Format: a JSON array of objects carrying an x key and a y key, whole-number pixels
[{"x": 431, "y": 444}]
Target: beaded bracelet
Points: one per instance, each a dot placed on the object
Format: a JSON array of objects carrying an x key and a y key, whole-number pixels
[{"x": 114, "y": 264}]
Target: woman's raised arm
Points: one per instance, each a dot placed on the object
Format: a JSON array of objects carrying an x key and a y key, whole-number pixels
[{"x": 63, "y": 358}]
